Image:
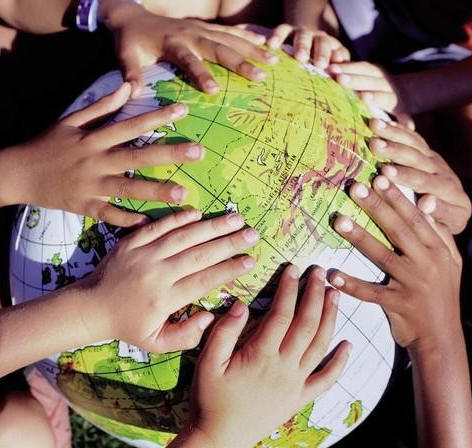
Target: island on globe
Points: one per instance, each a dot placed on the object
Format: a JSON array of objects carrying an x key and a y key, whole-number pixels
[{"x": 281, "y": 152}]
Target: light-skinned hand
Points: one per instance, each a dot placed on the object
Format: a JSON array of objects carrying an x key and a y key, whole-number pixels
[
  {"x": 142, "y": 39},
  {"x": 160, "y": 268},
  {"x": 376, "y": 87},
  {"x": 237, "y": 392},
  {"x": 72, "y": 168},
  {"x": 310, "y": 45},
  {"x": 421, "y": 297},
  {"x": 417, "y": 166}
]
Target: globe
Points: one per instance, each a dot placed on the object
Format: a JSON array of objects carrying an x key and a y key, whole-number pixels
[{"x": 280, "y": 152}]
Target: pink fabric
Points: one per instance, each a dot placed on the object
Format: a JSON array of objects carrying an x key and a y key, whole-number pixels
[{"x": 54, "y": 405}]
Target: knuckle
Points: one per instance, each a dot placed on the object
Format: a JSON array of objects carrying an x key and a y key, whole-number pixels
[
  {"x": 306, "y": 327},
  {"x": 375, "y": 202},
  {"x": 378, "y": 295},
  {"x": 199, "y": 257},
  {"x": 154, "y": 227},
  {"x": 244, "y": 67},
  {"x": 102, "y": 213},
  {"x": 281, "y": 319},
  {"x": 192, "y": 340},
  {"x": 387, "y": 259},
  {"x": 122, "y": 189},
  {"x": 415, "y": 217}
]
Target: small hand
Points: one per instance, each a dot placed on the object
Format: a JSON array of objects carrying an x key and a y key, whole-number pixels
[
  {"x": 143, "y": 38},
  {"x": 161, "y": 268},
  {"x": 416, "y": 166},
  {"x": 75, "y": 169},
  {"x": 275, "y": 365},
  {"x": 309, "y": 44},
  {"x": 421, "y": 297},
  {"x": 375, "y": 86}
]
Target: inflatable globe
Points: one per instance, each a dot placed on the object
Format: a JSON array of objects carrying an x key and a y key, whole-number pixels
[{"x": 280, "y": 152}]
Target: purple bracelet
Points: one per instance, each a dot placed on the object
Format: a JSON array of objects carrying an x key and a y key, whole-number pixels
[{"x": 87, "y": 15}]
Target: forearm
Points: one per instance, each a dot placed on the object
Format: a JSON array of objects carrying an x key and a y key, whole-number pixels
[
  {"x": 34, "y": 330},
  {"x": 442, "y": 395},
  {"x": 36, "y": 16},
  {"x": 304, "y": 12},
  {"x": 440, "y": 88}
]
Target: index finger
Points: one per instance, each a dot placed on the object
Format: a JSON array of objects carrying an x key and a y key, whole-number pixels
[
  {"x": 276, "y": 322},
  {"x": 132, "y": 128},
  {"x": 399, "y": 134}
]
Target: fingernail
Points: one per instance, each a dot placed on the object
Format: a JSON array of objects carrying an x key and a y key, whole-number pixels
[
  {"x": 274, "y": 42},
  {"x": 194, "y": 152},
  {"x": 144, "y": 220},
  {"x": 271, "y": 58},
  {"x": 380, "y": 124},
  {"x": 258, "y": 73},
  {"x": 302, "y": 55},
  {"x": 320, "y": 273},
  {"x": 235, "y": 221},
  {"x": 178, "y": 193},
  {"x": 251, "y": 236},
  {"x": 178, "y": 110},
  {"x": 344, "y": 79},
  {"x": 211, "y": 86},
  {"x": 293, "y": 271},
  {"x": 382, "y": 182},
  {"x": 336, "y": 69},
  {"x": 378, "y": 144},
  {"x": 249, "y": 262},
  {"x": 338, "y": 282},
  {"x": 349, "y": 348},
  {"x": 194, "y": 214},
  {"x": 428, "y": 205},
  {"x": 237, "y": 310},
  {"x": 205, "y": 320},
  {"x": 322, "y": 63},
  {"x": 344, "y": 224},
  {"x": 367, "y": 97},
  {"x": 389, "y": 170},
  {"x": 360, "y": 191},
  {"x": 335, "y": 297}
]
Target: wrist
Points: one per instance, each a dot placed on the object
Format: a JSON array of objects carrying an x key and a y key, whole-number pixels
[
  {"x": 437, "y": 348},
  {"x": 15, "y": 178},
  {"x": 114, "y": 13},
  {"x": 92, "y": 309}
]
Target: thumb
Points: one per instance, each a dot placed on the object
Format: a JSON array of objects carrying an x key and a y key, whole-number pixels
[
  {"x": 183, "y": 335},
  {"x": 223, "y": 338},
  {"x": 103, "y": 107},
  {"x": 132, "y": 73}
]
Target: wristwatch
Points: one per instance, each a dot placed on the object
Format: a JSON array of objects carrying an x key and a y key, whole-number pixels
[{"x": 86, "y": 18}]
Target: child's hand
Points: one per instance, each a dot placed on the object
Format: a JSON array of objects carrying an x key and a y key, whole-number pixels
[
  {"x": 240, "y": 396},
  {"x": 143, "y": 38},
  {"x": 314, "y": 45},
  {"x": 421, "y": 297},
  {"x": 159, "y": 269},
  {"x": 375, "y": 86},
  {"x": 416, "y": 166},
  {"x": 78, "y": 170}
]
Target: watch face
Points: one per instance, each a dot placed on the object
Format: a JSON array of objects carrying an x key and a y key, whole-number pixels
[{"x": 87, "y": 14}]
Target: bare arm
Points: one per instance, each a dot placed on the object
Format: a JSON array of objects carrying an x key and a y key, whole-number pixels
[
  {"x": 34, "y": 330},
  {"x": 38, "y": 17},
  {"x": 442, "y": 394},
  {"x": 445, "y": 87},
  {"x": 304, "y": 12}
]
